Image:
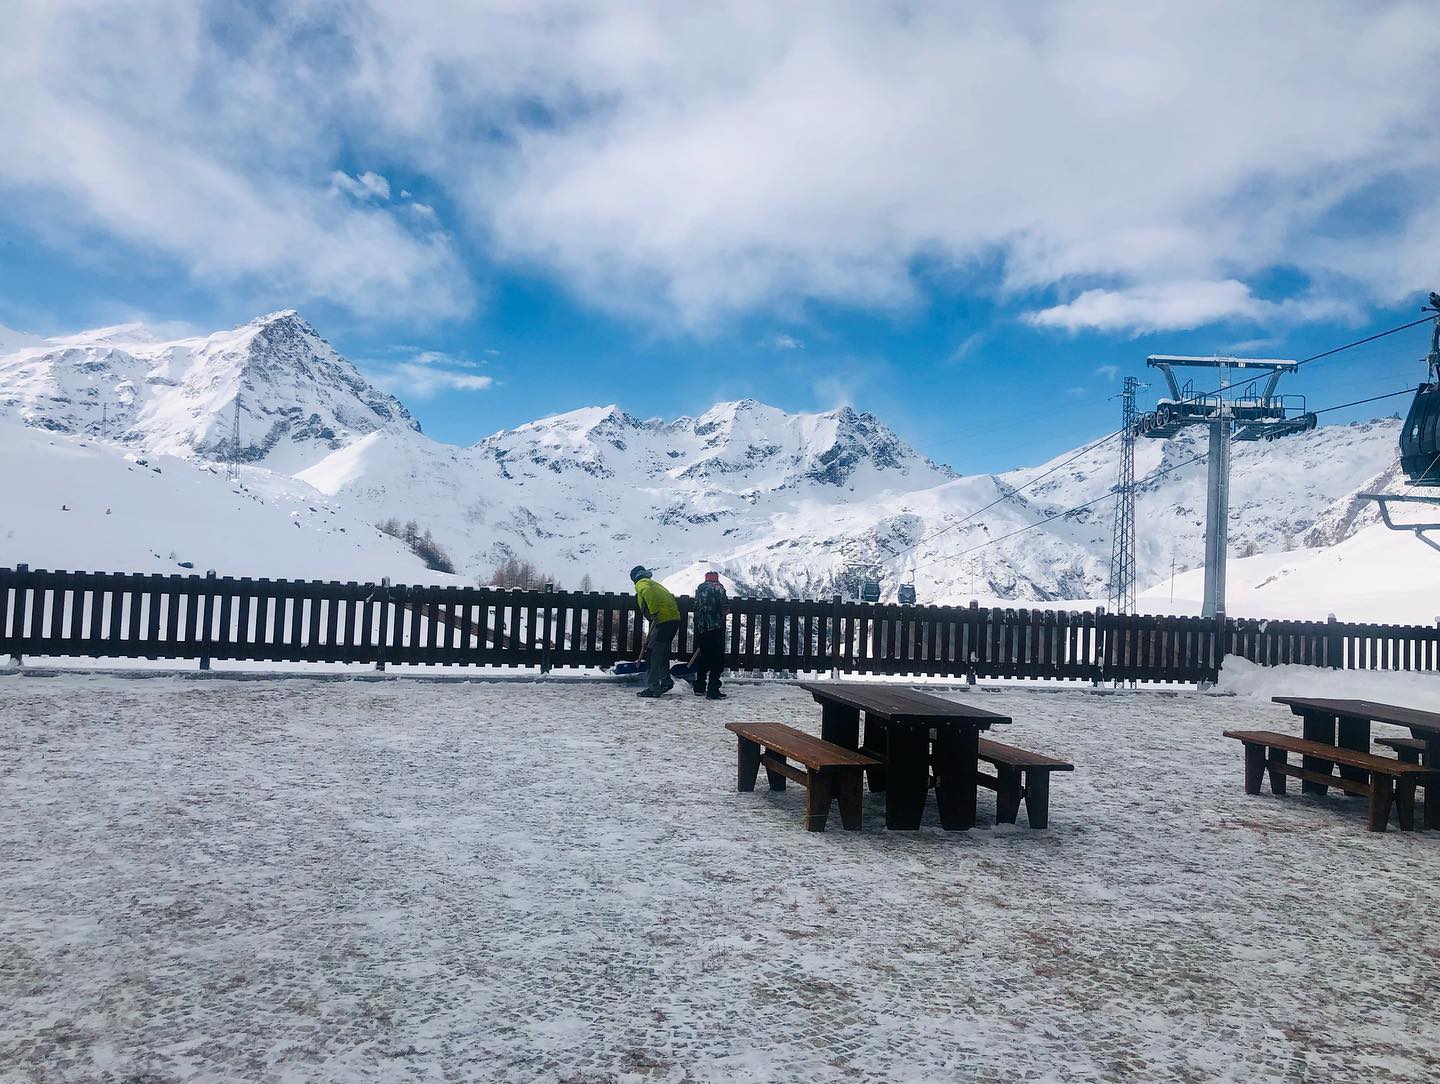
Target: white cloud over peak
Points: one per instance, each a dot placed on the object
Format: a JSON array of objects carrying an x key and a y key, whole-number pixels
[{"x": 695, "y": 163}]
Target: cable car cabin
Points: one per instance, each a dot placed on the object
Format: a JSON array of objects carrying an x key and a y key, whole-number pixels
[
  {"x": 1420, "y": 439},
  {"x": 870, "y": 591},
  {"x": 907, "y": 594}
]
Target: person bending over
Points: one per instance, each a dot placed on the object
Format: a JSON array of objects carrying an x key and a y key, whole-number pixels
[{"x": 659, "y": 607}]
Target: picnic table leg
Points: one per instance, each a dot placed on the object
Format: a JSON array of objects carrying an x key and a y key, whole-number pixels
[
  {"x": 908, "y": 784},
  {"x": 1405, "y": 803},
  {"x": 1432, "y": 792},
  {"x": 850, "y": 789},
  {"x": 957, "y": 751},
  {"x": 840, "y": 725},
  {"x": 1382, "y": 793},
  {"x": 749, "y": 767},
  {"x": 1354, "y": 734},
  {"x": 874, "y": 744},
  {"x": 1320, "y": 728}
]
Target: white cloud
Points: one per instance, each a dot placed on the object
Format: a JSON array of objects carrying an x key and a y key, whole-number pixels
[
  {"x": 365, "y": 186},
  {"x": 693, "y": 163},
  {"x": 1107, "y": 372},
  {"x": 1179, "y": 306},
  {"x": 422, "y": 374},
  {"x": 781, "y": 341},
  {"x": 425, "y": 381}
]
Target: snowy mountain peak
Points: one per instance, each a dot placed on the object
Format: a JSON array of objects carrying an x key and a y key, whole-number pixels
[{"x": 298, "y": 399}]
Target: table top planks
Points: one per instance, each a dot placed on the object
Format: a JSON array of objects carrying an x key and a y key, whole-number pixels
[
  {"x": 891, "y": 704},
  {"x": 1414, "y": 718}
]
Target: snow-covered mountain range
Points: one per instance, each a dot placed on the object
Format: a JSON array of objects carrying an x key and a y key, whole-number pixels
[{"x": 783, "y": 504}]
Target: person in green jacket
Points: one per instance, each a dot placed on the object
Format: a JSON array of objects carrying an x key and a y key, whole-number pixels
[{"x": 663, "y": 612}]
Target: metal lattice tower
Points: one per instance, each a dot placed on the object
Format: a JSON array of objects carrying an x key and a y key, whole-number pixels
[
  {"x": 1121, "y": 599},
  {"x": 234, "y": 466}
]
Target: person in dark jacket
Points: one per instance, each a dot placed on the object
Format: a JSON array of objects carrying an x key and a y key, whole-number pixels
[
  {"x": 663, "y": 612},
  {"x": 711, "y": 602}
]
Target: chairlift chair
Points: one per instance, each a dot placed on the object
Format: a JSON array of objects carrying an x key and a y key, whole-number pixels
[{"x": 1419, "y": 445}]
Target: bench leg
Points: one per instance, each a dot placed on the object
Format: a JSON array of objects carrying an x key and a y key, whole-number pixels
[
  {"x": 777, "y": 781},
  {"x": 1007, "y": 794},
  {"x": 1382, "y": 793},
  {"x": 1405, "y": 804},
  {"x": 851, "y": 792},
  {"x": 749, "y": 765},
  {"x": 1254, "y": 767},
  {"x": 908, "y": 777},
  {"x": 1037, "y": 798},
  {"x": 819, "y": 789},
  {"x": 1408, "y": 756},
  {"x": 1316, "y": 728},
  {"x": 1277, "y": 760}
]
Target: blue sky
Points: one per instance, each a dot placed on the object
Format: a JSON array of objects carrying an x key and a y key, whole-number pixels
[{"x": 970, "y": 223}]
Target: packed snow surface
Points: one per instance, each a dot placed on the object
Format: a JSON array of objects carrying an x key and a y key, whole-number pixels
[{"x": 306, "y": 880}]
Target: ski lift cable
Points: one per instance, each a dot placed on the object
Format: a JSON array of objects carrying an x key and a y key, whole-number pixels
[
  {"x": 1112, "y": 493},
  {"x": 893, "y": 554},
  {"x": 1054, "y": 516},
  {"x": 1003, "y": 497}
]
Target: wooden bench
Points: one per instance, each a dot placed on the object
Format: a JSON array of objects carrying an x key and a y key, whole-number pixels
[
  {"x": 1385, "y": 781},
  {"x": 825, "y": 770},
  {"x": 1409, "y": 750},
  {"x": 1019, "y": 773}
]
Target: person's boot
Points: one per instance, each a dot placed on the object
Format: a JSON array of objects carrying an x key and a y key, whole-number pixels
[
  {"x": 716, "y": 695},
  {"x": 699, "y": 689},
  {"x": 650, "y": 693}
]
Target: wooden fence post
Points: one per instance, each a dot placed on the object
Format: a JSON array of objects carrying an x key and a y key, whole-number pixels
[
  {"x": 21, "y": 569},
  {"x": 384, "y": 638},
  {"x": 1222, "y": 629},
  {"x": 1334, "y": 644},
  {"x": 973, "y": 639},
  {"x": 545, "y": 632},
  {"x": 835, "y": 639},
  {"x": 208, "y": 613},
  {"x": 1100, "y": 646}
]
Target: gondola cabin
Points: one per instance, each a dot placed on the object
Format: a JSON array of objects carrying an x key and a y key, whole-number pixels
[
  {"x": 907, "y": 594},
  {"x": 870, "y": 591},
  {"x": 1420, "y": 439}
]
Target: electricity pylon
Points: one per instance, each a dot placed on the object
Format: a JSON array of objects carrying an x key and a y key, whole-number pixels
[{"x": 1121, "y": 599}]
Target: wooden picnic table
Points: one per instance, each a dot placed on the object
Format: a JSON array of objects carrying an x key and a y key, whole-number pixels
[
  {"x": 1346, "y": 723},
  {"x": 898, "y": 726}
]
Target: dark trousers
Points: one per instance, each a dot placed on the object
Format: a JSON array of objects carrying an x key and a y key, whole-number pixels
[
  {"x": 712, "y": 659},
  {"x": 662, "y": 638}
]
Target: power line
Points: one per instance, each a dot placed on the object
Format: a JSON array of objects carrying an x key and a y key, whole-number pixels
[
  {"x": 1372, "y": 399},
  {"x": 1362, "y": 342},
  {"x": 1015, "y": 491},
  {"x": 1114, "y": 492}
]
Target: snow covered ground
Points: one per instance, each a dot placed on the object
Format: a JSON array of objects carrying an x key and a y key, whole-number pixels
[{"x": 305, "y": 880}]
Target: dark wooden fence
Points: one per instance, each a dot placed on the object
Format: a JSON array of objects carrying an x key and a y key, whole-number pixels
[{"x": 114, "y": 615}]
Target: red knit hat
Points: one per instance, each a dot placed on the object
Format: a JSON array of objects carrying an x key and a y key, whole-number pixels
[{"x": 712, "y": 577}]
